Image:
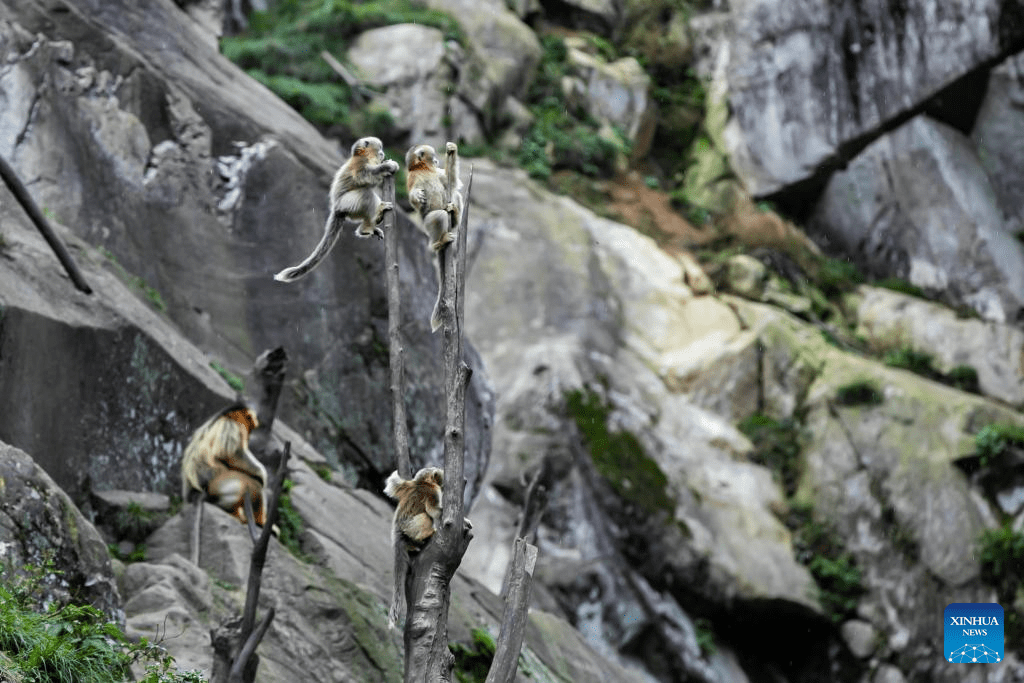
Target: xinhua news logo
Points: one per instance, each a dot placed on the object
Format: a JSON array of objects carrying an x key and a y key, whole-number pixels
[{"x": 973, "y": 633}]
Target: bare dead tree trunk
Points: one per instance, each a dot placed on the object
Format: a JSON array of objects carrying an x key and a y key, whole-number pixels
[
  {"x": 269, "y": 372},
  {"x": 513, "y": 619},
  {"x": 21, "y": 194},
  {"x": 427, "y": 657},
  {"x": 396, "y": 350}
]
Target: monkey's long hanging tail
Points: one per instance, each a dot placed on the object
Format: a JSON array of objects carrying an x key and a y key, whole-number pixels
[
  {"x": 401, "y": 572},
  {"x": 435, "y": 317},
  {"x": 332, "y": 230}
]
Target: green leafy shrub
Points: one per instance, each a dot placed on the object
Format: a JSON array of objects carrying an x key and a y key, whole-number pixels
[
  {"x": 560, "y": 138},
  {"x": 473, "y": 663},
  {"x": 837, "y": 276},
  {"x": 859, "y": 393},
  {"x": 991, "y": 440},
  {"x": 69, "y": 643},
  {"x": 908, "y": 358},
  {"x": 705, "y": 636},
  {"x": 834, "y": 569},
  {"x": 902, "y": 286},
  {"x": 776, "y": 446},
  {"x": 289, "y": 522},
  {"x": 233, "y": 380},
  {"x": 282, "y": 48},
  {"x": 964, "y": 378}
]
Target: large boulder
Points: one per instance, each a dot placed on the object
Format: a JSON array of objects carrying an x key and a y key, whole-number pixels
[
  {"x": 597, "y": 325},
  {"x": 998, "y": 134},
  {"x": 417, "y": 83},
  {"x": 39, "y": 525},
  {"x": 131, "y": 129},
  {"x": 808, "y": 81},
  {"x": 917, "y": 204}
]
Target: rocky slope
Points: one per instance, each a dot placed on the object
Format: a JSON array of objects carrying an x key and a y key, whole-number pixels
[{"x": 742, "y": 484}]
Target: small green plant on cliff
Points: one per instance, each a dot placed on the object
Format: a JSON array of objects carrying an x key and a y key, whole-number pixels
[
  {"x": 233, "y": 380},
  {"x": 472, "y": 663},
  {"x": 776, "y": 446},
  {"x": 859, "y": 393},
  {"x": 964, "y": 378},
  {"x": 134, "y": 281},
  {"x": 289, "y": 522},
  {"x": 561, "y": 138},
  {"x": 993, "y": 439},
  {"x": 909, "y": 358},
  {"x": 618, "y": 456},
  {"x": 835, "y": 571}
]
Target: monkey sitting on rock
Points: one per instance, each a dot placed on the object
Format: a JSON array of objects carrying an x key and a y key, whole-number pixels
[{"x": 352, "y": 197}]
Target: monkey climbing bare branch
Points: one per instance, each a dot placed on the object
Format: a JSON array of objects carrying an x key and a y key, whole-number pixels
[
  {"x": 513, "y": 619},
  {"x": 397, "y": 351},
  {"x": 17, "y": 188}
]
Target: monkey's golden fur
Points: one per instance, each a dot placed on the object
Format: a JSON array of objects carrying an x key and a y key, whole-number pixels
[
  {"x": 419, "y": 507},
  {"x": 217, "y": 460},
  {"x": 428, "y": 189},
  {"x": 352, "y": 197}
]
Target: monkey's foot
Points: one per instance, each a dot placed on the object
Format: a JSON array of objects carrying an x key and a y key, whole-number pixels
[
  {"x": 445, "y": 239},
  {"x": 384, "y": 206},
  {"x": 376, "y": 232}
]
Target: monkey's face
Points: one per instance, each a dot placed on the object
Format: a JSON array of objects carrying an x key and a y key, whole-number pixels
[
  {"x": 244, "y": 417},
  {"x": 369, "y": 148},
  {"x": 421, "y": 158}
]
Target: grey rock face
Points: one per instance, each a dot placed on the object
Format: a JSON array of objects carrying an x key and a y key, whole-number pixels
[
  {"x": 417, "y": 80},
  {"x": 994, "y": 350},
  {"x": 998, "y": 134},
  {"x": 917, "y": 204},
  {"x": 808, "y": 79},
  {"x": 130, "y": 128},
  {"x": 39, "y": 522},
  {"x": 590, "y": 304}
]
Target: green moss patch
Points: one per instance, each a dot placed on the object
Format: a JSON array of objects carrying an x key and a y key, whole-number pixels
[{"x": 618, "y": 456}]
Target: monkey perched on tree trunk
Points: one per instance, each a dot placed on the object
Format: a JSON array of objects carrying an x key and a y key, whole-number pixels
[
  {"x": 428, "y": 189},
  {"x": 352, "y": 197}
]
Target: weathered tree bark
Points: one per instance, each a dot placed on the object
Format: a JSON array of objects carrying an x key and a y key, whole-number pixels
[
  {"x": 396, "y": 350},
  {"x": 427, "y": 657},
  {"x": 268, "y": 371},
  {"x": 513, "y": 619},
  {"x": 535, "y": 504},
  {"x": 21, "y": 194}
]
